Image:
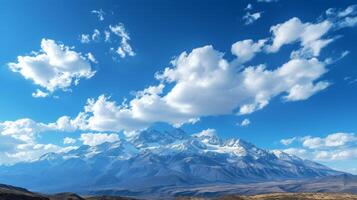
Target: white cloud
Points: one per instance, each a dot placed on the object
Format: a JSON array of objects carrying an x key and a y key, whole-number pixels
[
  {"x": 40, "y": 94},
  {"x": 302, "y": 92},
  {"x": 343, "y": 18},
  {"x": 333, "y": 147},
  {"x": 125, "y": 48},
  {"x": 106, "y": 36},
  {"x": 96, "y": 35},
  {"x": 309, "y": 35},
  {"x": 340, "y": 154},
  {"x": 85, "y": 38},
  {"x": 197, "y": 84},
  {"x": 28, "y": 152},
  {"x": 250, "y": 18},
  {"x": 244, "y": 123},
  {"x": 23, "y": 130},
  {"x": 55, "y": 67},
  {"x": 249, "y": 7},
  {"x": 68, "y": 140},
  {"x": 100, "y": 14},
  {"x": 332, "y": 140},
  {"x": 348, "y": 22},
  {"x": 245, "y": 50},
  {"x": 18, "y": 141},
  {"x": 91, "y": 57},
  {"x": 203, "y": 84},
  {"x": 94, "y": 139},
  {"x": 287, "y": 141}
]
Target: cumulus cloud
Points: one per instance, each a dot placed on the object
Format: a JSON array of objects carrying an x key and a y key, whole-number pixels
[
  {"x": 308, "y": 34},
  {"x": 19, "y": 141},
  {"x": 199, "y": 83},
  {"x": 203, "y": 84},
  {"x": 334, "y": 147},
  {"x": 23, "y": 130},
  {"x": 99, "y": 13},
  {"x": 94, "y": 139},
  {"x": 245, "y": 50},
  {"x": 332, "y": 140},
  {"x": 54, "y": 67}
]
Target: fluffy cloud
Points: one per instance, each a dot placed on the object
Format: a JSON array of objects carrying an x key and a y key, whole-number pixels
[
  {"x": 197, "y": 84},
  {"x": 23, "y": 130},
  {"x": 18, "y": 141},
  {"x": 245, "y": 50},
  {"x": 55, "y": 67},
  {"x": 124, "y": 49},
  {"x": 309, "y": 35},
  {"x": 332, "y": 140},
  {"x": 203, "y": 84},
  {"x": 94, "y": 139},
  {"x": 333, "y": 147},
  {"x": 343, "y": 18}
]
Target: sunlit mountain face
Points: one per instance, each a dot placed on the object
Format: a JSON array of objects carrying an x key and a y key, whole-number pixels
[{"x": 167, "y": 98}]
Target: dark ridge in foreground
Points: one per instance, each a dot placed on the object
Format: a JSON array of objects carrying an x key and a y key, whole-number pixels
[{"x": 8, "y": 192}]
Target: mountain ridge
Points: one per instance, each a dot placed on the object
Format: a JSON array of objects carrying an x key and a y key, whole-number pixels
[{"x": 159, "y": 159}]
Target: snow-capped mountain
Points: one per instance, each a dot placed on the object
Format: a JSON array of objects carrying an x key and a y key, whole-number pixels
[{"x": 154, "y": 159}]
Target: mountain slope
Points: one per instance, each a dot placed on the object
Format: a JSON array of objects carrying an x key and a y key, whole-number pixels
[
  {"x": 332, "y": 184},
  {"x": 153, "y": 159}
]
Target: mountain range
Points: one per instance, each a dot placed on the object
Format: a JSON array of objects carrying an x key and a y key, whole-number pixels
[{"x": 154, "y": 163}]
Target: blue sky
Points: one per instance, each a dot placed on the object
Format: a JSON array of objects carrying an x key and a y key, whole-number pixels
[{"x": 319, "y": 119}]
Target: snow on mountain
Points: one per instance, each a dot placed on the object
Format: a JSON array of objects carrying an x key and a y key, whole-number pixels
[{"x": 154, "y": 159}]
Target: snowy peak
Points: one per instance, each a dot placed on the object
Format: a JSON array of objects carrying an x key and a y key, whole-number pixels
[
  {"x": 160, "y": 159},
  {"x": 208, "y": 136},
  {"x": 154, "y": 137}
]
